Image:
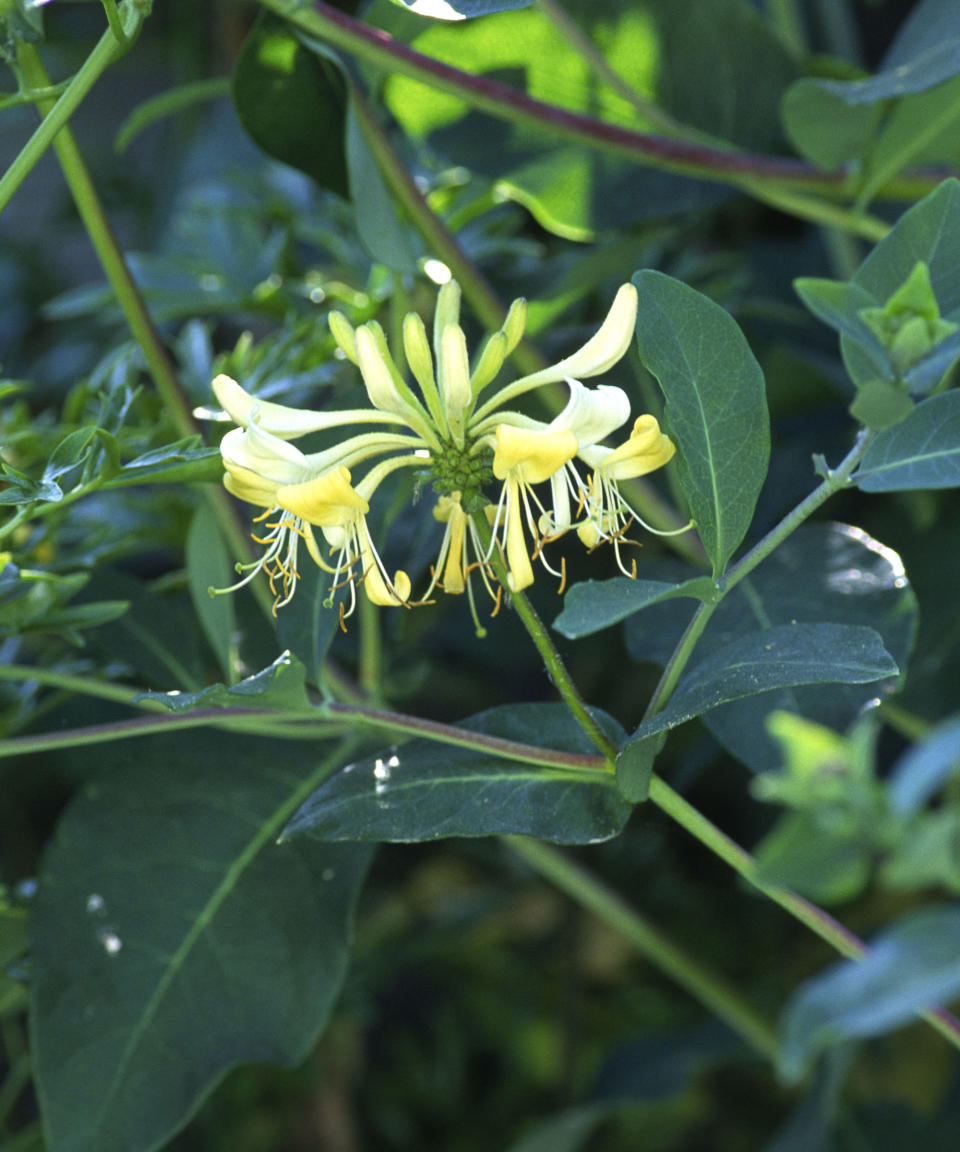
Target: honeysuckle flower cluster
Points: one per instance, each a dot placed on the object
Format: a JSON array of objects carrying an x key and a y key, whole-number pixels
[{"x": 506, "y": 483}]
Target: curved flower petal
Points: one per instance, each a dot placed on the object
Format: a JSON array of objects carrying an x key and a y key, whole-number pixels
[
  {"x": 599, "y": 354},
  {"x": 329, "y": 501},
  {"x": 288, "y": 423},
  {"x": 646, "y": 450},
  {"x": 592, "y": 414},
  {"x": 531, "y": 456}
]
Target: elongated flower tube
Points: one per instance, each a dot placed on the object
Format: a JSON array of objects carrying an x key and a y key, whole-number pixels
[{"x": 524, "y": 458}]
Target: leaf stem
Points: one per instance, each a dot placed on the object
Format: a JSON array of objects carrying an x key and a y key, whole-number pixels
[
  {"x": 483, "y": 94},
  {"x": 704, "y": 985},
  {"x": 814, "y": 918},
  {"x": 834, "y": 480},
  {"x": 106, "y": 50}
]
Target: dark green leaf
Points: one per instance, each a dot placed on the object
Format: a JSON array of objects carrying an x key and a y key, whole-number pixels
[
  {"x": 69, "y": 453},
  {"x": 716, "y": 407},
  {"x": 782, "y": 656},
  {"x": 922, "y": 451},
  {"x": 208, "y": 566},
  {"x": 597, "y": 604},
  {"x": 383, "y": 231},
  {"x": 306, "y": 626},
  {"x": 905, "y": 113},
  {"x": 427, "y": 791},
  {"x": 292, "y": 102},
  {"x": 848, "y": 578},
  {"x": 913, "y": 966},
  {"x": 281, "y": 686},
  {"x": 922, "y": 771},
  {"x": 187, "y": 461},
  {"x": 174, "y": 939}
]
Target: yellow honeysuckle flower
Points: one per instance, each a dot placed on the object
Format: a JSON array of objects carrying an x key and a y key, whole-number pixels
[
  {"x": 331, "y": 503},
  {"x": 523, "y": 458},
  {"x": 608, "y": 515},
  {"x": 461, "y": 446}
]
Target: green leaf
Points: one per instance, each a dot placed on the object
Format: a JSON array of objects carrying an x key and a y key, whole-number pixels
[
  {"x": 922, "y": 451},
  {"x": 174, "y": 939},
  {"x": 848, "y": 578},
  {"x": 427, "y": 791},
  {"x": 383, "y": 232},
  {"x": 665, "y": 50},
  {"x": 840, "y": 304},
  {"x": 208, "y": 566},
  {"x": 635, "y": 768},
  {"x": 307, "y": 625},
  {"x": 782, "y": 656},
  {"x": 281, "y": 686},
  {"x": 800, "y": 853},
  {"x": 911, "y": 967},
  {"x": 460, "y": 9},
  {"x": 569, "y": 1131},
  {"x": 716, "y": 407},
  {"x": 292, "y": 102},
  {"x": 927, "y": 233},
  {"x": 906, "y": 113},
  {"x": 593, "y": 605},
  {"x": 926, "y": 853},
  {"x": 149, "y": 112},
  {"x": 923, "y": 770},
  {"x": 186, "y": 461}
]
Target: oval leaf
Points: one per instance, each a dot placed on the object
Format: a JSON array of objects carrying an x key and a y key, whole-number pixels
[
  {"x": 292, "y": 102},
  {"x": 594, "y": 605},
  {"x": 148, "y": 985},
  {"x": 922, "y": 451},
  {"x": 924, "y": 769},
  {"x": 427, "y": 791},
  {"x": 777, "y": 657},
  {"x": 848, "y": 578},
  {"x": 716, "y": 406},
  {"x": 908, "y": 969}
]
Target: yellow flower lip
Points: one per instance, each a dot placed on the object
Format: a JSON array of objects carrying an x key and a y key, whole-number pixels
[
  {"x": 329, "y": 501},
  {"x": 646, "y": 450},
  {"x": 532, "y": 455}
]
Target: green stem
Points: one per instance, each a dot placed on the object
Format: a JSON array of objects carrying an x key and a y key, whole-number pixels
[
  {"x": 106, "y": 51},
  {"x": 82, "y": 685},
  {"x": 556, "y": 669},
  {"x": 711, "y": 990},
  {"x": 485, "y": 95},
  {"x": 562, "y": 680},
  {"x": 482, "y": 298},
  {"x": 814, "y": 918},
  {"x": 834, "y": 480}
]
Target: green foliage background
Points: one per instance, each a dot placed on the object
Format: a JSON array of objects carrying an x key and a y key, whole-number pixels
[{"x": 215, "y": 936}]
